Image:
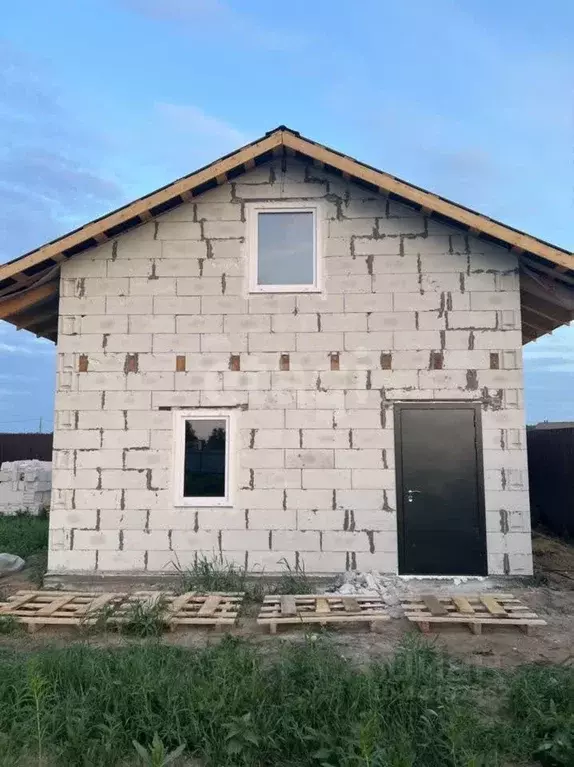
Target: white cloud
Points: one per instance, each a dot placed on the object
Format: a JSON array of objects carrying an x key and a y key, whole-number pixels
[{"x": 186, "y": 118}]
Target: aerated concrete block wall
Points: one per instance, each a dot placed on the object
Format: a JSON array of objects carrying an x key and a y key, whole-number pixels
[{"x": 411, "y": 310}]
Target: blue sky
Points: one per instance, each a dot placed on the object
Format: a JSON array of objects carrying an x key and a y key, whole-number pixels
[{"x": 102, "y": 101}]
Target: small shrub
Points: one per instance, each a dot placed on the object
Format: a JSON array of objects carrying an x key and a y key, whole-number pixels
[
  {"x": 293, "y": 581},
  {"x": 9, "y": 625},
  {"x": 24, "y": 534},
  {"x": 145, "y": 619},
  {"x": 212, "y": 575},
  {"x": 156, "y": 755}
]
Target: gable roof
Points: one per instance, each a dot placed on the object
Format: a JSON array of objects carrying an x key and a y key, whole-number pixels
[{"x": 29, "y": 284}]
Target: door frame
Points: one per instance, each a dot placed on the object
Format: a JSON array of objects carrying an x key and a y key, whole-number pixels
[{"x": 401, "y": 516}]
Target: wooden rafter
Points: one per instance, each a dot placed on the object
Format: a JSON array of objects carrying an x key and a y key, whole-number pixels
[
  {"x": 547, "y": 303},
  {"x": 135, "y": 209},
  {"x": 31, "y": 297}
]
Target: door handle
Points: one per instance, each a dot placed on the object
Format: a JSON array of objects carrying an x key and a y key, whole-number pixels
[{"x": 410, "y": 494}]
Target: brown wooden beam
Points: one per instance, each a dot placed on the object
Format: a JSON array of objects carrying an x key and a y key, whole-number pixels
[
  {"x": 28, "y": 320},
  {"x": 533, "y": 321},
  {"x": 546, "y": 309},
  {"x": 31, "y": 297},
  {"x": 422, "y": 198},
  {"x": 133, "y": 210}
]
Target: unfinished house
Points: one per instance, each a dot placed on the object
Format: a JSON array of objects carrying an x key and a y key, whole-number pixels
[{"x": 290, "y": 356}]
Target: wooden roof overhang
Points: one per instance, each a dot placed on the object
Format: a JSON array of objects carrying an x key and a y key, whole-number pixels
[{"x": 29, "y": 285}]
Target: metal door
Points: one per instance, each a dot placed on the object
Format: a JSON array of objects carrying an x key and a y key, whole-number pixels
[{"x": 440, "y": 489}]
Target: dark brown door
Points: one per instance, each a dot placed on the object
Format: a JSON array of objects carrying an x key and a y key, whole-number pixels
[{"x": 440, "y": 492}]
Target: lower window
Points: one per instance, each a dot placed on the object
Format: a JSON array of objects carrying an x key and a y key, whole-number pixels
[{"x": 202, "y": 458}]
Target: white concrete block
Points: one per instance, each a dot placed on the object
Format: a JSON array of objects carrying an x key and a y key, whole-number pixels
[
  {"x": 320, "y": 400},
  {"x": 309, "y": 500},
  {"x": 121, "y": 561},
  {"x": 154, "y": 323},
  {"x": 103, "y": 540},
  {"x": 128, "y": 400},
  {"x": 142, "y": 286},
  {"x": 143, "y": 540},
  {"x": 294, "y": 323},
  {"x": 199, "y": 381},
  {"x": 296, "y": 540},
  {"x": 176, "y": 342},
  {"x": 309, "y": 458},
  {"x": 262, "y": 400},
  {"x": 372, "y": 478},
  {"x": 71, "y": 561},
  {"x": 76, "y": 440},
  {"x": 247, "y": 323},
  {"x": 325, "y": 438},
  {"x": 274, "y": 479},
  {"x": 377, "y": 341},
  {"x": 263, "y": 519},
  {"x": 368, "y": 302},
  {"x": 233, "y": 380},
  {"x": 262, "y": 459},
  {"x": 105, "y": 323},
  {"x": 276, "y": 438},
  {"x": 129, "y": 342},
  {"x": 178, "y": 230},
  {"x": 272, "y": 342},
  {"x": 230, "y": 343},
  {"x": 272, "y": 304},
  {"x": 358, "y": 458},
  {"x": 399, "y": 320},
  {"x": 125, "y": 439},
  {"x": 173, "y": 305},
  {"x": 326, "y": 478},
  {"x": 116, "y": 519},
  {"x": 312, "y": 361},
  {"x": 293, "y": 379},
  {"x": 345, "y": 541}
]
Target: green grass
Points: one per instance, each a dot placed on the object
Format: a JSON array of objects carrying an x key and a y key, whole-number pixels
[
  {"x": 207, "y": 575},
  {"x": 24, "y": 535},
  {"x": 304, "y": 705}
]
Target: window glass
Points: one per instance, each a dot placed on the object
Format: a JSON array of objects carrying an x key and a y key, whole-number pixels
[
  {"x": 286, "y": 248},
  {"x": 204, "y": 461}
]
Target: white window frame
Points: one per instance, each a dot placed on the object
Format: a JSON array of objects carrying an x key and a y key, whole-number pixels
[
  {"x": 179, "y": 419},
  {"x": 283, "y": 206}
]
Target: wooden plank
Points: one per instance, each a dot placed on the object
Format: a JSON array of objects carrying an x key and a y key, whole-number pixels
[
  {"x": 210, "y": 605},
  {"x": 288, "y": 606},
  {"x": 463, "y": 605},
  {"x": 27, "y": 298},
  {"x": 427, "y": 199},
  {"x": 134, "y": 209},
  {"x": 486, "y": 621},
  {"x": 493, "y": 606},
  {"x": 433, "y": 605},
  {"x": 54, "y": 606},
  {"x": 14, "y": 604},
  {"x": 180, "y": 602},
  {"x": 322, "y": 606},
  {"x": 97, "y": 603},
  {"x": 351, "y": 605}
]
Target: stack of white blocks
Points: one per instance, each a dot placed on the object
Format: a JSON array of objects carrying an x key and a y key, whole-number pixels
[{"x": 25, "y": 486}]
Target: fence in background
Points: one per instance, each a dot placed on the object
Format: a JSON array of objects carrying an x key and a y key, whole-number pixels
[
  {"x": 551, "y": 475},
  {"x": 23, "y": 447}
]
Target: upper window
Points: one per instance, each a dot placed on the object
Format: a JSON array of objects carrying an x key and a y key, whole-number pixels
[
  {"x": 283, "y": 244},
  {"x": 202, "y": 458}
]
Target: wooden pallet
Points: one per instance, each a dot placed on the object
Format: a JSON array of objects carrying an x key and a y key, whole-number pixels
[
  {"x": 473, "y": 611},
  {"x": 58, "y": 608},
  {"x": 321, "y": 608}
]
